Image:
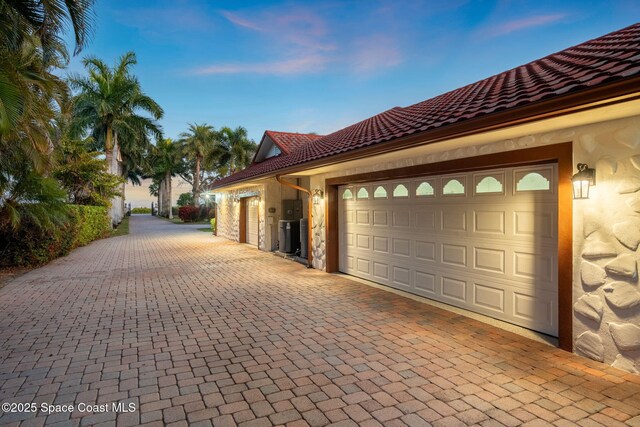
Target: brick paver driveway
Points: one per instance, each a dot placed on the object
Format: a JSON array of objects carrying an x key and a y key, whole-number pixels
[{"x": 194, "y": 329}]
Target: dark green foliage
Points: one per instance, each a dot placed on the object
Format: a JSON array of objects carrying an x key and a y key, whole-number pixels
[
  {"x": 33, "y": 245},
  {"x": 185, "y": 199}
]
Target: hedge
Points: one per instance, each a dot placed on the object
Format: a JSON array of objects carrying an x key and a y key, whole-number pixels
[{"x": 31, "y": 245}]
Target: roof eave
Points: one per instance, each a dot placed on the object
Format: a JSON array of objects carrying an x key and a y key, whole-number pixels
[{"x": 586, "y": 99}]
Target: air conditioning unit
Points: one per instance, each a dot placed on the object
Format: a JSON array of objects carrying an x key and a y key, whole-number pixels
[{"x": 288, "y": 236}]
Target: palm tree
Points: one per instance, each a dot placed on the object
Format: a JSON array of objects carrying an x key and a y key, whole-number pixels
[
  {"x": 167, "y": 162},
  {"x": 31, "y": 33},
  {"x": 107, "y": 106},
  {"x": 196, "y": 143},
  {"x": 233, "y": 152}
]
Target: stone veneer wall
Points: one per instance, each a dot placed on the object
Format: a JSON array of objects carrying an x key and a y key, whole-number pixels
[
  {"x": 606, "y": 232},
  {"x": 228, "y": 214},
  {"x": 606, "y": 239}
]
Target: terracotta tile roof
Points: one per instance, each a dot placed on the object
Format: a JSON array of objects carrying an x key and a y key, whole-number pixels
[
  {"x": 290, "y": 141},
  {"x": 596, "y": 63}
]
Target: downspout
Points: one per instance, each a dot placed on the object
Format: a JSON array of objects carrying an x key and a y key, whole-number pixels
[{"x": 310, "y": 215}]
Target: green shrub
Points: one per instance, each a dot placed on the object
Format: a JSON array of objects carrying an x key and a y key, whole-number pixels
[
  {"x": 92, "y": 223},
  {"x": 141, "y": 210},
  {"x": 32, "y": 245},
  {"x": 213, "y": 225}
]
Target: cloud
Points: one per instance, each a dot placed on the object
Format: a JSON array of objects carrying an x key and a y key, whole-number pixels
[
  {"x": 374, "y": 53},
  {"x": 301, "y": 65},
  {"x": 520, "y": 24},
  {"x": 301, "y": 41}
]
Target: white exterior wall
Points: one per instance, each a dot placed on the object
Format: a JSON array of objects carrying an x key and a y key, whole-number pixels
[{"x": 606, "y": 228}]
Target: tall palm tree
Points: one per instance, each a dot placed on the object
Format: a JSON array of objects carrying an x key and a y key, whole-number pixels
[
  {"x": 167, "y": 162},
  {"x": 233, "y": 152},
  {"x": 31, "y": 33},
  {"x": 108, "y": 106},
  {"x": 196, "y": 143}
]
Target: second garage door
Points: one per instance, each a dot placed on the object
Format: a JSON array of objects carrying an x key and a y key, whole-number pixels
[
  {"x": 484, "y": 241},
  {"x": 252, "y": 220}
]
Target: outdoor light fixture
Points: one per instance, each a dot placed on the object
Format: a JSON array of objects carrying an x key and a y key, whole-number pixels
[
  {"x": 582, "y": 180},
  {"x": 317, "y": 196}
]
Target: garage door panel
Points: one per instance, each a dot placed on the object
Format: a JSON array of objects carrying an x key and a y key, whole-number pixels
[
  {"x": 454, "y": 255},
  {"x": 454, "y": 220},
  {"x": 363, "y": 241},
  {"x": 489, "y": 297},
  {"x": 489, "y": 259},
  {"x": 381, "y": 244},
  {"x": 362, "y": 217},
  {"x": 534, "y": 224},
  {"x": 454, "y": 288},
  {"x": 492, "y": 222},
  {"x": 380, "y": 218},
  {"x": 425, "y": 250},
  {"x": 401, "y": 247},
  {"x": 426, "y": 219},
  {"x": 534, "y": 309},
  {"x": 401, "y": 218},
  {"x": 535, "y": 266},
  {"x": 425, "y": 282},
  {"x": 402, "y": 276},
  {"x": 490, "y": 248},
  {"x": 381, "y": 271},
  {"x": 363, "y": 266}
]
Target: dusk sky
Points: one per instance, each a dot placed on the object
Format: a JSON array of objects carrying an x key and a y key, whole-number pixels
[{"x": 319, "y": 66}]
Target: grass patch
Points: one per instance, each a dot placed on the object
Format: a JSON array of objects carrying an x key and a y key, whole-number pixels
[
  {"x": 207, "y": 229},
  {"x": 123, "y": 228}
]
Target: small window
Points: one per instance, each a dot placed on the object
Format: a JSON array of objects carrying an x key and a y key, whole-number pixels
[
  {"x": 347, "y": 194},
  {"x": 424, "y": 189},
  {"x": 400, "y": 191},
  {"x": 380, "y": 193},
  {"x": 533, "y": 181},
  {"x": 489, "y": 184},
  {"x": 362, "y": 193},
  {"x": 453, "y": 187}
]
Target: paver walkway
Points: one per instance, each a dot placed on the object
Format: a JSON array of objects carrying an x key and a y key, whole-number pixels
[{"x": 197, "y": 330}]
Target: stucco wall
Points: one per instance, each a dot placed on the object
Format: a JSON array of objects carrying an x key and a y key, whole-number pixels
[{"x": 606, "y": 232}]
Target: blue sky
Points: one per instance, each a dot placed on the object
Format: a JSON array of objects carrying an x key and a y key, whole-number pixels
[{"x": 317, "y": 66}]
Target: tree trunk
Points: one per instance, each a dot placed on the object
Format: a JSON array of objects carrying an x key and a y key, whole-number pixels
[
  {"x": 167, "y": 179},
  {"x": 118, "y": 201},
  {"x": 161, "y": 199},
  {"x": 110, "y": 151},
  {"x": 196, "y": 184}
]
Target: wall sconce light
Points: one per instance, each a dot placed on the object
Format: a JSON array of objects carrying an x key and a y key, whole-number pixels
[
  {"x": 582, "y": 180},
  {"x": 317, "y": 196}
]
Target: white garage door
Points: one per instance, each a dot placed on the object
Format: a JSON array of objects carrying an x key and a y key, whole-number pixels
[
  {"x": 484, "y": 241},
  {"x": 252, "y": 219}
]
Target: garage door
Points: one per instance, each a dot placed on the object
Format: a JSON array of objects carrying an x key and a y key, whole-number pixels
[
  {"x": 484, "y": 241},
  {"x": 252, "y": 219}
]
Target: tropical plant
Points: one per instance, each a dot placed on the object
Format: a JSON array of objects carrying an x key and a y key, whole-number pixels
[
  {"x": 84, "y": 175},
  {"x": 233, "y": 152},
  {"x": 166, "y": 157},
  {"x": 197, "y": 142},
  {"x": 107, "y": 106},
  {"x": 185, "y": 199}
]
